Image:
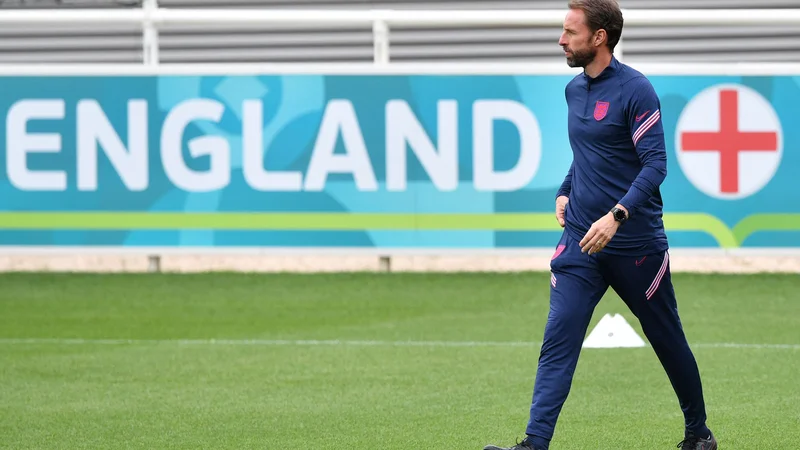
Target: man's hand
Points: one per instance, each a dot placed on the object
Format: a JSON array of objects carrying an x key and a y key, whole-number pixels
[
  {"x": 600, "y": 233},
  {"x": 561, "y": 206}
]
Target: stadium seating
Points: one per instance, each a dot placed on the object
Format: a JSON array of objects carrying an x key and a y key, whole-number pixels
[{"x": 104, "y": 43}]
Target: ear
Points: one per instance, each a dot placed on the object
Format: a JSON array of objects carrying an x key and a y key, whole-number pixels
[{"x": 600, "y": 36}]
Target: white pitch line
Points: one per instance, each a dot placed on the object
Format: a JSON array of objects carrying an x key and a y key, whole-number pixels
[
  {"x": 750, "y": 346},
  {"x": 351, "y": 343},
  {"x": 263, "y": 342}
]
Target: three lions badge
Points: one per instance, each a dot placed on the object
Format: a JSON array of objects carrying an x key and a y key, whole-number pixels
[{"x": 600, "y": 110}]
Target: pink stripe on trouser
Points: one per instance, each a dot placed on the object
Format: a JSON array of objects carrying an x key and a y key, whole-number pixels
[{"x": 654, "y": 286}]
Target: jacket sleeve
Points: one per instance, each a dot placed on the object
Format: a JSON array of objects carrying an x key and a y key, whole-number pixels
[
  {"x": 566, "y": 186},
  {"x": 647, "y": 134}
]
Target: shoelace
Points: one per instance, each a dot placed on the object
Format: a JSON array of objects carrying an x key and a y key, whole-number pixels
[
  {"x": 689, "y": 443},
  {"x": 522, "y": 446}
]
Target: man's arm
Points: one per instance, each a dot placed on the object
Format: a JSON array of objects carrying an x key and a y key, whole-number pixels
[
  {"x": 566, "y": 186},
  {"x": 562, "y": 197},
  {"x": 647, "y": 132}
]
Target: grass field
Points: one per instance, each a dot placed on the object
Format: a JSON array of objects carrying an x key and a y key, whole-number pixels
[{"x": 370, "y": 361}]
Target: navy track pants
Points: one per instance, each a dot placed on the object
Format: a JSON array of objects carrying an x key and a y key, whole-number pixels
[{"x": 577, "y": 283}]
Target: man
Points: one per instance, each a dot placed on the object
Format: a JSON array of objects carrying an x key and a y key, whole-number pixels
[{"x": 611, "y": 208}]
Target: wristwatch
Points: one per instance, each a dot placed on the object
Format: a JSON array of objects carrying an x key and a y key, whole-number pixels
[{"x": 619, "y": 214}]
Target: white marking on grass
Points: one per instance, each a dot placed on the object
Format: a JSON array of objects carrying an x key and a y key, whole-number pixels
[
  {"x": 748, "y": 346},
  {"x": 263, "y": 342},
  {"x": 351, "y": 343}
]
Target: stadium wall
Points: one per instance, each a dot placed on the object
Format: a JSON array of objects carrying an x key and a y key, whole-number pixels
[{"x": 367, "y": 167}]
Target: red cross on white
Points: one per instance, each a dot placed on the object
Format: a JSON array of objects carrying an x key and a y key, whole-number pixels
[{"x": 729, "y": 141}]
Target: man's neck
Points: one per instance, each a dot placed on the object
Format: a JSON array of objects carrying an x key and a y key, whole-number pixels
[{"x": 596, "y": 67}]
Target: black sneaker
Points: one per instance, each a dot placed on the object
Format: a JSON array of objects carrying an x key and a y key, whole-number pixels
[
  {"x": 524, "y": 445},
  {"x": 697, "y": 443}
]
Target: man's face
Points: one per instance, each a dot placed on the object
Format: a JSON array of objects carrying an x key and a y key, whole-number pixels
[{"x": 576, "y": 40}]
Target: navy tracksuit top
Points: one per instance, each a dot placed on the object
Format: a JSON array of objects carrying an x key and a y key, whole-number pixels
[{"x": 619, "y": 156}]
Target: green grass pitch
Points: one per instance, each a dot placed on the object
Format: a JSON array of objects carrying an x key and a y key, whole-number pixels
[{"x": 370, "y": 361}]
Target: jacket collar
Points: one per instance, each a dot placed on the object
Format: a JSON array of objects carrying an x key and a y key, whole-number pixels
[{"x": 612, "y": 69}]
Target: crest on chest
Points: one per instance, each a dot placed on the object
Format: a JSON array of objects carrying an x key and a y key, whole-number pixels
[{"x": 600, "y": 110}]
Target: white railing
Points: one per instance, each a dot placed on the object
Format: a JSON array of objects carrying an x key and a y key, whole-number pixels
[{"x": 151, "y": 17}]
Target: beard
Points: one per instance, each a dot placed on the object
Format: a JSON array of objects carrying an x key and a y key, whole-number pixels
[{"x": 581, "y": 58}]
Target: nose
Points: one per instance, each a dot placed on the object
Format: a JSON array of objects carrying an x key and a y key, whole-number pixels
[{"x": 562, "y": 41}]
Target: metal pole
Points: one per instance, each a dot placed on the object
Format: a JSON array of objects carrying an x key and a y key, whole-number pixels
[
  {"x": 380, "y": 33},
  {"x": 150, "y": 34}
]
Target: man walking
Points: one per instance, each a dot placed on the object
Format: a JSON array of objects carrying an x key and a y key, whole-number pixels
[{"x": 610, "y": 206}]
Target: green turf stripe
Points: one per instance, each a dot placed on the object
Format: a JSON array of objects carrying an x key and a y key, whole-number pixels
[
  {"x": 327, "y": 221},
  {"x": 701, "y": 222},
  {"x": 765, "y": 222},
  {"x": 277, "y": 221}
]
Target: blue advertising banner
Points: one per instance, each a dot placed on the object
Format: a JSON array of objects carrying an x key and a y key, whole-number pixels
[{"x": 370, "y": 161}]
